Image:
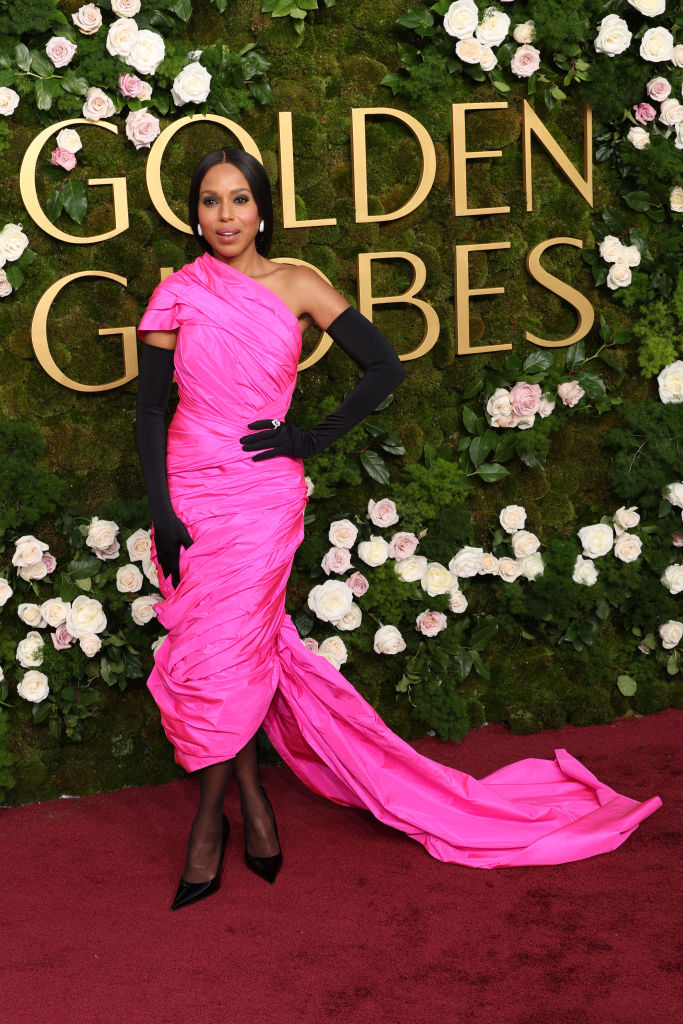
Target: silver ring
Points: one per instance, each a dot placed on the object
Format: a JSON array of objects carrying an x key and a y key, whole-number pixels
[{"x": 276, "y": 423}]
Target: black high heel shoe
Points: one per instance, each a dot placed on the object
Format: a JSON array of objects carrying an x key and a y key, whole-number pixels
[
  {"x": 264, "y": 867},
  {"x": 191, "y": 892}
]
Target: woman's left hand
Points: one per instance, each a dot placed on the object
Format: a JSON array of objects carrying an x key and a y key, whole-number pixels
[{"x": 279, "y": 438}]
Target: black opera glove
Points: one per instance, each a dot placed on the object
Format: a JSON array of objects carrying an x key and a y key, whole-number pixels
[{"x": 383, "y": 371}]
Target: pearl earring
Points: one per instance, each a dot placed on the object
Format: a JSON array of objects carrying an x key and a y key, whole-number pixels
[
  {"x": 199, "y": 230},
  {"x": 261, "y": 228}
]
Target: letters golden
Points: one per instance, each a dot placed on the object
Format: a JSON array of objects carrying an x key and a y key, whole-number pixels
[{"x": 532, "y": 128}]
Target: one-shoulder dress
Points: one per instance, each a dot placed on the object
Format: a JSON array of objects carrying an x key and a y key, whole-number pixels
[{"x": 233, "y": 659}]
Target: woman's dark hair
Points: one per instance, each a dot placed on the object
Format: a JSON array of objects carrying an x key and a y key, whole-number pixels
[{"x": 259, "y": 184}]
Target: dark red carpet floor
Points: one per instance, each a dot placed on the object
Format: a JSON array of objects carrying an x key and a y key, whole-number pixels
[{"x": 362, "y": 926}]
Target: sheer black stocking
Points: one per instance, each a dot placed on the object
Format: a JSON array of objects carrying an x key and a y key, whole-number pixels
[
  {"x": 204, "y": 844},
  {"x": 259, "y": 828}
]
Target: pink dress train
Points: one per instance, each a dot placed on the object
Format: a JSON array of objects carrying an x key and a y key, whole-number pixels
[{"x": 233, "y": 659}]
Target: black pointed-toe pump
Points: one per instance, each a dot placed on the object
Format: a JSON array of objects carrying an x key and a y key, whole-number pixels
[
  {"x": 264, "y": 867},
  {"x": 191, "y": 892}
]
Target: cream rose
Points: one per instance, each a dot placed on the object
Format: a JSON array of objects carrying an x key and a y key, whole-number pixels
[
  {"x": 5, "y": 286},
  {"x": 147, "y": 53},
  {"x": 151, "y": 572},
  {"x": 145, "y": 91},
  {"x": 142, "y": 128},
  {"x": 121, "y": 37},
  {"x": 350, "y": 620},
  {"x": 336, "y": 560},
  {"x": 142, "y": 608},
  {"x": 33, "y": 686},
  {"x": 357, "y": 584},
  {"x": 487, "y": 59},
  {"x": 335, "y": 646},
  {"x": 678, "y": 139},
  {"x": 585, "y": 572},
  {"x": 611, "y": 249},
  {"x": 461, "y": 18},
  {"x": 658, "y": 88},
  {"x": 330, "y": 600},
  {"x": 676, "y": 199},
  {"x": 329, "y": 656},
  {"x": 383, "y": 512},
  {"x": 101, "y": 533},
  {"x": 139, "y": 545},
  {"x": 13, "y": 242},
  {"x": 310, "y": 486},
  {"x": 125, "y": 8},
  {"x": 524, "y": 32},
  {"x": 631, "y": 255},
  {"x": 673, "y": 578},
  {"x": 37, "y": 571},
  {"x": 469, "y": 50},
  {"x": 570, "y": 393},
  {"x": 596, "y": 539},
  {"x": 627, "y": 547},
  {"x": 90, "y": 644},
  {"x": 32, "y": 615},
  {"x": 374, "y": 551},
  {"x": 55, "y": 611},
  {"x": 97, "y": 105},
  {"x": 467, "y": 562},
  {"x": 499, "y": 408},
  {"x": 489, "y": 564},
  {"x": 677, "y": 55},
  {"x": 670, "y": 382},
  {"x": 9, "y": 100},
  {"x": 430, "y": 623},
  {"x": 619, "y": 275},
  {"x": 512, "y": 518},
  {"x": 508, "y": 569},
  {"x": 671, "y": 633},
  {"x": 625, "y": 519},
  {"x": 342, "y": 533},
  {"x": 402, "y": 545},
  {"x": 60, "y": 51},
  {"x": 388, "y": 640},
  {"x": 531, "y": 566},
  {"x": 613, "y": 36},
  {"x": 28, "y": 550},
  {"x": 69, "y": 139},
  {"x": 437, "y": 579},
  {"x": 674, "y": 493},
  {"x": 158, "y": 642},
  {"x": 526, "y": 60},
  {"x": 87, "y": 19},
  {"x": 129, "y": 579},
  {"x": 86, "y": 615},
  {"x": 638, "y": 137},
  {"x": 671, "y": 112},
  {"x": 411, "y": 569},
  {"x": 524, "y": 543},
  {"x": 545, "y": 406},
  {"x": 650, "y": 8},
  {"x": 30, "y": 650},
  {"x": 5, "y": 591},
  {"x": 457, "y": 602},
  {"x": 657, "y": 44},
  {"x": 191, "y": 85},
  {"x": 493, "y": 27}
]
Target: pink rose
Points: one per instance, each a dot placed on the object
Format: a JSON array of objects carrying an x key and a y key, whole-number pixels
[
  {"x": 402, "y": 545},
  {"x": 130, "y": 86},
  {"x": 658, "y": 89},
  {"x": 644, "y": 112},
  {"x": 358, "y": 584},
  {"x": 382, "y": 512},
  {"x": 62, "y": 638},
  {"x": 310, "y": 643},
  {"x": 111, "y": 551},
  {"x": 430, "y": 623},
  {"x": 525, "y": 61},
  {"x": 49, "y": 561},
  {"x": 63, "y": 158},
  {"x": 336, "y": 560},
  {"x": 525, "y": 398},
  {"x": 677, "y": 540},
  {"x": 60, "y": 50},
  {"x": 570, "y": 392},
  {"x": 142, "y": 127}
]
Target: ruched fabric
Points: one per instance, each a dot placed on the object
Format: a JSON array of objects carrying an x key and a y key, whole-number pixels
[{"x": 233, "y": 659}]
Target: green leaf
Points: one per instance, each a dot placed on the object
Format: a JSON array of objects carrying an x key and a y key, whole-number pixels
[
  {"x": 505, "y": 448},
  {"x": 55, "y": 727},
  {"x": 592, "y": 383},
  {"x": 480, "y": 448},
  {"x": 304, "y": 623},
  {"x": 483, "y": 632},
  {"x": 462, "y": 662},
  {"x": 392, "y": 81},
  {"x": 491, "y": 472},
  {"x": 534, "y": 460},
  {"x": 45, "y": 90},
  {"x": 409, "y": 54},
  {"x": 615, "y": 220},
  {"x": 627, "y": 685},
  {"x": 538, "y": 362},
  {"x": 639, "y": 201},
  {"x": 7, "y": 78},
  {"x": 84, "y": 584},
  {"x": 183, "y": 8},
  {"x": 575, "y": 355},
  {"x": 602, "y": 609},
  {"x": 471, "y": 420},
  {"x": 479, "y": 667},
  {"x": 83, "y": 567},
  {"x": 474, "y": 387},
  {"x": 22, "y": 57},
  {"x": 41, "y": 711},
  {"x": 14, "y": 276},
  {"x": 75, "y": 200},
  {"x": 416, "y": 18},
  {"x": 375, "y": 466},
  {"x": 40, "y": 64},
  {"x": 73, "y": 83}
]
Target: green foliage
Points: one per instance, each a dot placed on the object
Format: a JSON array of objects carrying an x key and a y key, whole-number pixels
[
  {"x": 430, "y": 490},
  {"x": 7, "y": 780},
  {"x": 660, "y": 332},
  {"x": 647, "y": 453},
  {"x": 27, "y": 492}
]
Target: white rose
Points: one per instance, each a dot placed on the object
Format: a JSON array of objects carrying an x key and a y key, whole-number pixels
[
  {"x": 611, "y": 249},
  {"x": 142, "y": 608},
  {"x": 545, "y": 406},
  {"x": 467, "y": 562},
  {"x": 329, "y": 656},
  {"x": 670, "y": 382},
  {"x": 55, "y": 611},
  {"x": 671, "y": 112},
  {"x": 631, "y": 255},
  {"x": 33, "y": 686},
  {"x": 489, "y": 564},
  {"x": 139, "y": 545},
  {"x": 86, "y": 615},
  {"x": 383, "y": 512},
  {"x": 411, "y": 569},
  {"x": 87, "y": 19},
  {"x": 531, "y": 566},
  {"x": 13, "y": 241},
  {"x": 638, "y": 137},
  {"x": 330, "y": 600},
  {"x": 597, "y": 539},
  {"x": 32, "y": 615},
  {"x": 508, "y": 569},
  {"x": 97, "y": 105},
  {"x": 526, "y": 60},
  {"x": 60, "y": 50},
  {"x": 676, "y": 199},
  {"x": 101, "y": 533},
  {"x": 148, "y": 52},
  {"x": 625, "y": 519},
  {"x": 191, "y": 85},
  {"x": 128, "y": 579},
  {"x": 142, "y": 128},
  {"x": 585, "y": 572},
  {"x": 613, "y": 36},
  {"x": 512, "y": 518},
  {"x": 493, "y": 27},
  {"x": 342, "y": 533},
  {"x": 5, "y": 286},
  {"x": 158, "y": 642},
  {"x": 30, "y": 650},
  {"x": 627, "y": 547},
  {"x": 145, "y": 91},
  {"x": 8, "y": 100},
  {"x": 677, "y": 55},
  {"x": 351, "y": 619},
  {"x": 469, "y": 50},
  {"x": 2, "y": 675},
  {"x": 28, "y": 550},
  {"x": 121, "y": 37},
  {"x": 674, "y": 493},
  {"x": 524, "y": 543},
  {"x": 657, "y": 44},
  {"x": 33, "y": 572},
  {"x": 5, "y": 591},
  {"x": 335, "y": 646},
  {"x": 650, "y": 8},
  {"x": 524, "y": 33},
  {"x": 374, "y": 551},
  {"x": 460, "y": 20},
  {"x": 678, "y": 143},
  {"x": 310, "y": 486},
  {"x": 619, "y": 275},
  {"x": 499, "y": 408},
  {"x": 436, "y": 579},
  {"x": 673, "y": 578},
  {"x": 487, "y": 59},
  {"x": 125, "y": 8},
  {"x": 457, "y": 602},
  {"x": 671, "y": 633},
  {"x": 336, "y": 560},
  {"x": 151, "y": 572},
  {"x": 69, "y": 139},
  {"x": 90, "y": 644},
  {"x": 388, "y": 640}
]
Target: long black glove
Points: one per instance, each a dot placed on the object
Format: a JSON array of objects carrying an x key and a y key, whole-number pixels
[
  {"x": 368, "y": 347},
  {"x": 154, "y": 389}
]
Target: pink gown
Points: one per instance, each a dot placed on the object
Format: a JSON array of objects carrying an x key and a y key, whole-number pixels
[{"x": 233, "y": 659}]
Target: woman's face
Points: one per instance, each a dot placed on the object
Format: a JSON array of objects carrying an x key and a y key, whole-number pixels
[{"x": 227, "y": 211}]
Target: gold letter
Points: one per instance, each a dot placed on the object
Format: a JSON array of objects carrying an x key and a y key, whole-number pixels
[
  {"x": 360, "y": 166},
  {"x": 460, "y": 157},
  {"x": 27, "y": 185},
  {"x": 287, "y": 188},
  {"x": 42, "y": 349},
  {"x": 325, "y": 341},
  {"x": 153, "y": 170},
  {"x": 531, "y": 122},
  {"x": 366, "y": 300},
  {"x": 576, "y": 299},
  {"x": 462, "y": 297}
]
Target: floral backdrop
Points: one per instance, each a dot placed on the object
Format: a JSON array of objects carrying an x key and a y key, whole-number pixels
[{"x": 501, "y": 540}]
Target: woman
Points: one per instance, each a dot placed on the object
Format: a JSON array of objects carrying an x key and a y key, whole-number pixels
[{"x": 226, "y": 526}]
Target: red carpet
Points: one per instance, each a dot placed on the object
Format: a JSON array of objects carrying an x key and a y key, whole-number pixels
[{"x": 362, "y": 926}]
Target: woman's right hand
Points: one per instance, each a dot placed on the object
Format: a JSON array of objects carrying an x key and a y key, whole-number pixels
[{"x": 169, "y": 537}]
